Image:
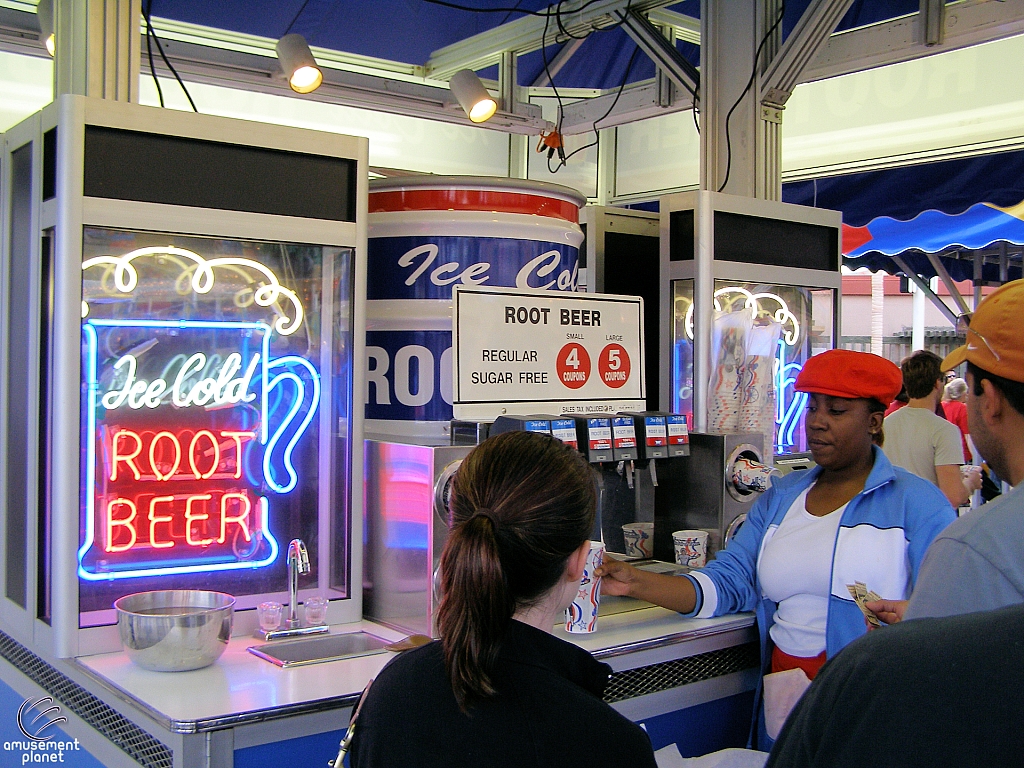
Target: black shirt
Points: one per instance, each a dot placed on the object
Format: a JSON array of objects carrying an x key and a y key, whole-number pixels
[
  {"x": 547, "y": 712},
  {"x": 925, "y": 692}
]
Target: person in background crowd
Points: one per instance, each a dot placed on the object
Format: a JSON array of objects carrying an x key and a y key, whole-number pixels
[
  {"x": 943, "y": 687},
  {"x": 954, "y": 399},
  {"x": 919, "y": 441},
  {"x": 854, "y": 517},
  {"x": 498, "y": 689},
  {"x": 900, "y": 401}
]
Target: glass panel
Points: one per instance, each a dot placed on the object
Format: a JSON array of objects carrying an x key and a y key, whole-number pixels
[
  {"x": 682, "y": 349},
  {"x": 202, "y": 409},
  {"x": 806, "y": 316}
]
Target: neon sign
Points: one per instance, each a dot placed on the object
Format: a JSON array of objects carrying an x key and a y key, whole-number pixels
[
  {"x": 190, "y": 432},
  {"x": 789, "y": 403}
]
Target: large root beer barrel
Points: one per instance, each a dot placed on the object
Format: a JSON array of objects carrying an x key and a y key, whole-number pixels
[{"x": 428, "y": 233}]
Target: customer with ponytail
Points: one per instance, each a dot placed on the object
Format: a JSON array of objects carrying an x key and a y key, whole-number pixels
[{"x": 498, "y": 689}]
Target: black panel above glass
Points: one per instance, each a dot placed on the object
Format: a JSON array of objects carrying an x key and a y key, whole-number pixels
[
  {"x": 151, "y": 168},
  {"x": 758, "y": 240}
]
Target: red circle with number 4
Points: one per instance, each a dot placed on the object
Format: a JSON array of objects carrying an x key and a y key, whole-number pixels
[
  {"x": 573, "y": 365},
  {"x": 613, "y": 365}
]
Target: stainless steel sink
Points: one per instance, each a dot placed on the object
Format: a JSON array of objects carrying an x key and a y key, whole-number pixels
[{"x": 294, "y": 653}]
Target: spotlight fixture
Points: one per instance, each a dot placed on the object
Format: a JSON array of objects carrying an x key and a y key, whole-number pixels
[
  {"x": 44, "y": 15},
  {"x": 472, "y": 96},
  {"x": 299, "y": 66}
]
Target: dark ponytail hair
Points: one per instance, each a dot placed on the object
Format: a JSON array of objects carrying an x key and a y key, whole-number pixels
[{"x": 521, "y": 503}]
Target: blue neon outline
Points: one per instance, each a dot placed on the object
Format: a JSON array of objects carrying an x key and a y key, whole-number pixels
[
  {"x": 297, "y": 403},
  {"x": 92, "y": 386},
  {"x": 787, "y": 418}
]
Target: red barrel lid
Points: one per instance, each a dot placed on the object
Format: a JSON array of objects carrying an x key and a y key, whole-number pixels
[{"x": 475, "y": 193}]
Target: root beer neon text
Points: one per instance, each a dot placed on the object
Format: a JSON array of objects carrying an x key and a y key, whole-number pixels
[{"x": 187, "y": 453}]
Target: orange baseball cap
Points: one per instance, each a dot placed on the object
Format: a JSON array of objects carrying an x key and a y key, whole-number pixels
[
  {"x": 845, "y": 373},
  {"x": 994, "y": 335}
]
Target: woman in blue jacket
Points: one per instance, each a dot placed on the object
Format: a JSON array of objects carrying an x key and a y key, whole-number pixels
[{"x": 853, "y": 518}]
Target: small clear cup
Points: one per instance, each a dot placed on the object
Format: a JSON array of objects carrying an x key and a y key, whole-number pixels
[
  {"x": 316, "y": 610},
  {"x": 269, "y": 614}
]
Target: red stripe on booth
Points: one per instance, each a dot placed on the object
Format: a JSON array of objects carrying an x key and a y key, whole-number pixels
[{"x": 473, "y": 200}]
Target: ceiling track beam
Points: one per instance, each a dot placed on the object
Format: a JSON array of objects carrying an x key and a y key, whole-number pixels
[
  {"x": 526, "y": 34},
  {"x": 555, "y": 65},
  {"x": 891, "y": 42},
  {"x": 811, "y": 33},
  {"x": 686, "y": 27},
  {"x": 661, "y": 51},
  {"x": 350, "y": 89},
  {"x": 638, "y": 102}
]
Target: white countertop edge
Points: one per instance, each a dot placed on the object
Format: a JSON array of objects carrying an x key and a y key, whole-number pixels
[{"x": 241, "y": 688}]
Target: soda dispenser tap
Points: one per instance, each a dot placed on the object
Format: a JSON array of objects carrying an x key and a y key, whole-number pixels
[{"x": 298, "y": 562}]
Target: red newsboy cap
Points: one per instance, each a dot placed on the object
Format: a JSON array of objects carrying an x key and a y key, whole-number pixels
[{"x": 845, "y": 373}]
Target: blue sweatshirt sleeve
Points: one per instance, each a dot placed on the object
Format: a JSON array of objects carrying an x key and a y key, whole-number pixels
[{"x": 728, "y": 584}]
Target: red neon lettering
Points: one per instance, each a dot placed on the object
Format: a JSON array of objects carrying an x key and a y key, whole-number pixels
[
  {"x": 125, "y": 522},
  {"x": 191, "y": 517},
  {"x": 192, "y": 454},
  {"x": 246, "y": 505},
  {"x": 155, "y": 518},
  {"x": 128, "y": 458},
  {"x": 237, "y": 437},
  {"x": 152, "y": 455}
]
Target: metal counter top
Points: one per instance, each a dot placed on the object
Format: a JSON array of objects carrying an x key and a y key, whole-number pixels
[{"x": 240, "y": 688}]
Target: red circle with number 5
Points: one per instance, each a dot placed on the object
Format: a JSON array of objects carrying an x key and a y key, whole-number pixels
[
  {"x": 573, "y": 365},
  {"x": 613, "y": 365}
]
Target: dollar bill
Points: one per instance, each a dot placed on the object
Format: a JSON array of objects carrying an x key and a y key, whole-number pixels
[{"x": 862, "y": 595}]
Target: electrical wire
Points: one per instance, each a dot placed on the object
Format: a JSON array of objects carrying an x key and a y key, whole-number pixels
[
  {"x": 149, "y": 50},
  {"x": 296, "y": 17},
  {"x": 160, "y": 48},
  {"x": 615, "y": 101},
  {"x": 750, "y": 82}
]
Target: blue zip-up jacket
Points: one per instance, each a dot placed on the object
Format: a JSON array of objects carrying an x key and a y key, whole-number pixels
[{"x": 882, "y": 537}]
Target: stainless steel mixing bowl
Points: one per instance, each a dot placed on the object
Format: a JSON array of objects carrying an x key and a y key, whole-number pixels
[{"x": 173, "y": 630}]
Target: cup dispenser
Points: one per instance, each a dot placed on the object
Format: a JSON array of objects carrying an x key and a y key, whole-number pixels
[{"x": 711, "y": 490}]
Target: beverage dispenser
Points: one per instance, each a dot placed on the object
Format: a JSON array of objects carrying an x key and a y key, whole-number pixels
[
  {"x": 192, "y": 321},
  {"x": 749, "y": 291}
]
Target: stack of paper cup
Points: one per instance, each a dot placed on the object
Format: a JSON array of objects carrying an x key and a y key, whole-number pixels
[
  {"x": 639, "y": 538},
  {"x": 691, "y": 548},
  {"x": 581, "y": 615}
]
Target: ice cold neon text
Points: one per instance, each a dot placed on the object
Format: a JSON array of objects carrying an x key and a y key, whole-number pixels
[
  {"x": 222, "y": 389},
  {"x": 532, "y": 275}
]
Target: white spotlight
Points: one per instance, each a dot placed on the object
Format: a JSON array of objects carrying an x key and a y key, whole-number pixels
[
  {"x": 472, "y": 96},
  {"x": 44, "y": 15},
  {"x": 299, "y": 66}
]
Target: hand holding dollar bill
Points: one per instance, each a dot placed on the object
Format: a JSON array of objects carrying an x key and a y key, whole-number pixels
[{"x": 861, "y": 595}]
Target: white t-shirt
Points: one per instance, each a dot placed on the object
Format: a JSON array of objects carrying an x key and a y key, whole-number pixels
[
  {"x": 919, "y": 441},
  {"x": 796, "y": 573}
]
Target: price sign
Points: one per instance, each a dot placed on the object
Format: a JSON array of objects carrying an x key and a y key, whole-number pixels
[{"x": 520, "y": 352}]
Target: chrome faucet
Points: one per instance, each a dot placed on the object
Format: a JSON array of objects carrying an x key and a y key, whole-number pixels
[{"x": 298, "y": 562}]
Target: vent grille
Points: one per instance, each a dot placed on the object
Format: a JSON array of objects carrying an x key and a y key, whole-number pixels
[
  {"x": 128, "y": 737},
  {"x": 631, "y": 683}
]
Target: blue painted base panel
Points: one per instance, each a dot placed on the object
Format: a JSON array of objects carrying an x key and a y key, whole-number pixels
[
  {"x": 36, "y": 738},
  {"x": 696, "y": 730},
  {"x": 709, "y": 727}
]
